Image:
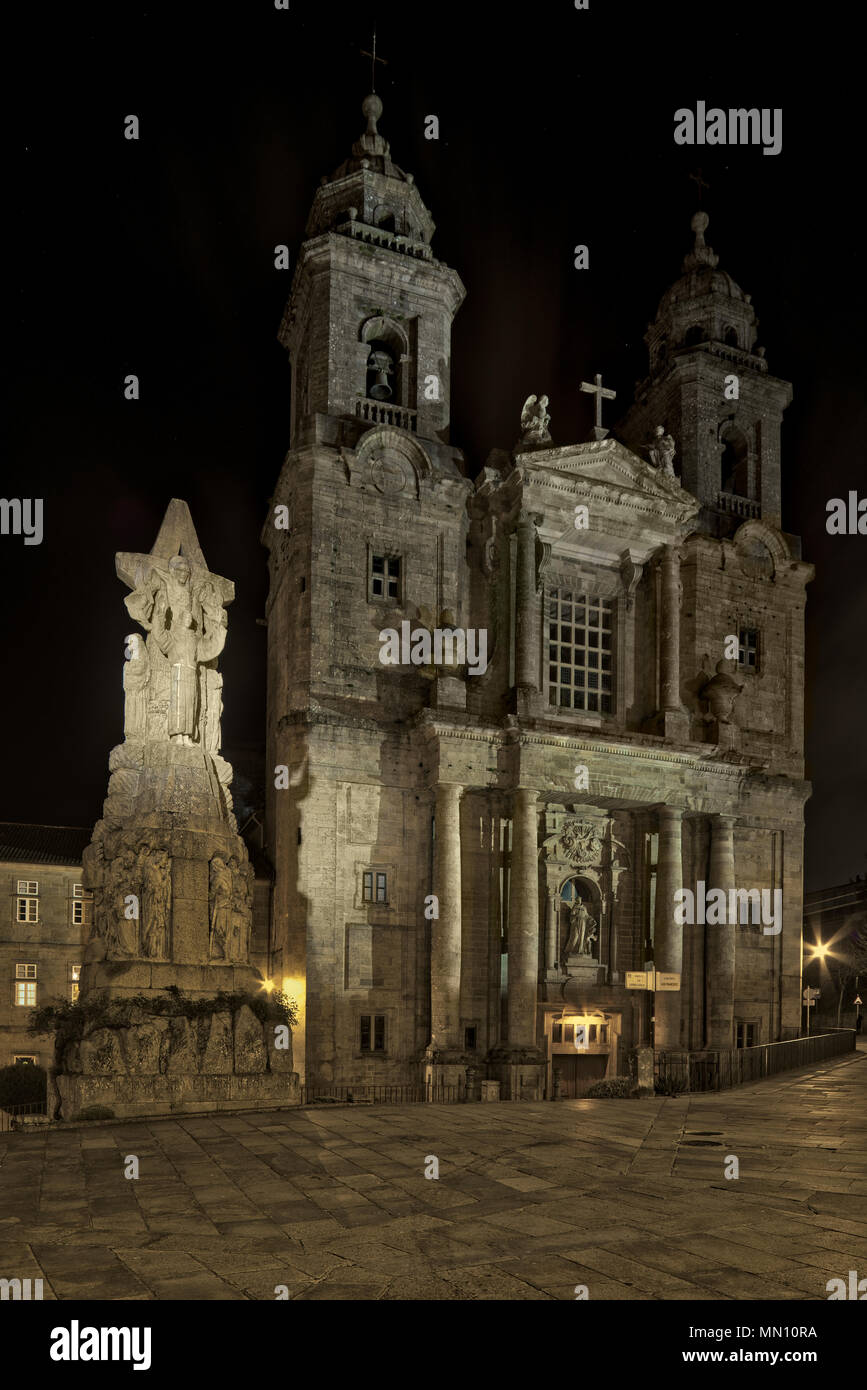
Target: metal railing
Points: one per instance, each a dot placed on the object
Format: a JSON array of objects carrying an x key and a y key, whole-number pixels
[
  {"x": 383, "y": 1095},
  {"x": 15, "y": 1116},
  {"x": 718, "y": 1070}
]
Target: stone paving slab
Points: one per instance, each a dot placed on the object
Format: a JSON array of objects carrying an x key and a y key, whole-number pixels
[{"x": 628, "y": 1198}]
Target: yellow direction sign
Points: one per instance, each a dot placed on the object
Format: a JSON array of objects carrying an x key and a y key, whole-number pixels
[
  {"x": 667, "y": 981},
  {"x": 639, "y": 979}
]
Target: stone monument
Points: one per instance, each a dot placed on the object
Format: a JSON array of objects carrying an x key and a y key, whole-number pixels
[{"x": 171, "y": 881}]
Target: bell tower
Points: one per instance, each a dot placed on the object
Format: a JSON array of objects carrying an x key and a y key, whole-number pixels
[
  {"x": 709, "y": 385},
  {"x": 368, "y": 323}
]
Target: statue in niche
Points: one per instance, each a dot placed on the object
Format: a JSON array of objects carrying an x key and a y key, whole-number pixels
[
  {"x": 122, "y": 882},
  {"x": 582, "y": 931},
  {"x": 156, "y": 869},
  {"x": 136, "y": 679},
  {"x": 661, "y": 450},
  {"x": 213, "y": 707},
  {"x": 535, "y": 421},
  {"x": 221, "y": 892}
]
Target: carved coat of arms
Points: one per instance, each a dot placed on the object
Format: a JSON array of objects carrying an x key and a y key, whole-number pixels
[{"x": 579, "y": 844}]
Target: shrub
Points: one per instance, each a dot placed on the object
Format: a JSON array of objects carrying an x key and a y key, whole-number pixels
[
  {"x": 22, "y": 1084},
  {"x": 615, "y": 1088}
]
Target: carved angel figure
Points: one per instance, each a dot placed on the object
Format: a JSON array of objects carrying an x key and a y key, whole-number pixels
[{"x": 535, "y": 419}]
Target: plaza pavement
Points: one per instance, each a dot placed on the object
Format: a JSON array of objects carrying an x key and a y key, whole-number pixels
[{"x": 626, "y": 1197}]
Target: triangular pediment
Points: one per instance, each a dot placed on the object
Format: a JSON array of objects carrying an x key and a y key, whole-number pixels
[{"x": 610, "y": 465}]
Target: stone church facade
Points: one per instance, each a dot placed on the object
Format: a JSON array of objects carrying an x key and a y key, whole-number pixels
[{"x": 467, "y": 864}]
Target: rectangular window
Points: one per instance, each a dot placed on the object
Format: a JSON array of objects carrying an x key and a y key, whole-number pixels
[
  {"x": 25, "y": 1059},
  {"x": 80, "y": 911},
  {"x": 746, "y": 1035},
  {"x": 74, "y": 986},
  {"x": 28, "y": 888},
  {"x": 25, "y": 995},
  {"x": 557, "y": 1033},
  {"x": 470, "y": 1039},
  {"x": 374, "y": 886},
  {"x": 568, "y": 1032},
  {"x": 580, "y": 651},
  {"x": 384, "y": 577},
  {"x": 28, "y": 910},
  {"x": 78, "y": 890},
  {"x": 748, "y": 649},
  {"x": 372, "y": 1032},
  {"x": 25, "y": 972}
]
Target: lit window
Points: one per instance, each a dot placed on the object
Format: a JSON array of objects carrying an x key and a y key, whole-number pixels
[
  {"x": 748, "y": 649},
  {"x": 25, "y": 995},
  {"x": 78, "y": 890},
  {"x": 74, "y": 986},
  {"x": 580, "y": 657},
  {"x": 385, "y": 576},
  {"x": 25, "y": 1059}
]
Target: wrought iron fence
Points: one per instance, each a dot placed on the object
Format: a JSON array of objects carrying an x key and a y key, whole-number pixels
[
  {"x": 718, "y": 1070},
  {"x": 383, "y": 1095}
]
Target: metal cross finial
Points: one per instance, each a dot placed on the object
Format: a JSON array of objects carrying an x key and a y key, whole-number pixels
[
  {"x": 598, "y": 391},
  {"x": 699, "y": 181},
  {"x": 373, "y": 61}
]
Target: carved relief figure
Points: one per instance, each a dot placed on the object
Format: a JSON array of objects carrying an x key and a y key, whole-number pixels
[
  {"x": 661, "y": 450},
  {"x": 121, "y": 935},
  {"x": 535, "y": 420},
  {"x": 221, "y": 890},
  {"x": 156, "y": 903}
]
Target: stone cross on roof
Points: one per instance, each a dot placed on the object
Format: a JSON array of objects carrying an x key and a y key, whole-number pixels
[
  {"x": 599, "y": 391},
  {"x": 373, "y": 61}
]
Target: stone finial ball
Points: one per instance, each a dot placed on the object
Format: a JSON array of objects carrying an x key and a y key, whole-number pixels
[
  {"x": 371, "y": 107},
  {"x": 699, "y": 222}
]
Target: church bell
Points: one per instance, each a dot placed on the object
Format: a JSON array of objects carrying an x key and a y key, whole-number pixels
[{"x": 379, "y": 366}]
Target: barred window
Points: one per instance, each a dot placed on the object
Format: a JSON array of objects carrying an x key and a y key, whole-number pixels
[{"x": 580, "y": 656}]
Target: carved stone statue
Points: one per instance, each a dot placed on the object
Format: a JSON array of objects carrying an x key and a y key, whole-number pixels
[
  {"x": 582, "y": 931},
  {"x": 721, "y": 692},
  {"x": 242, "y": 911},
  {"x": 534, "y": 421},
  {"x": 136, "y": 677},
  {"x": 156, "y": 903},
  {"x": 661, "y": 450},
  {"x": 221, "y": 891}
]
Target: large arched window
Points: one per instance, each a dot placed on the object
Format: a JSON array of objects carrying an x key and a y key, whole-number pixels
[
  {"x": 694, "y": 334},
  {"x": 735, "y": 463},
  {"x": 731, "y": 337}
]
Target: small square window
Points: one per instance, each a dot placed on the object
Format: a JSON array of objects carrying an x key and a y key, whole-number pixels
[
  {"x": 28, "y": 888},
  {"x": 384, "y": 577},
  {"x": 25, "y": 972},
  {"x": 748, "y": 649}
]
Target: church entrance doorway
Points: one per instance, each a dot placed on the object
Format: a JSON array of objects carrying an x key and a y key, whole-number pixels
[{"x": 577, "y": 1073}]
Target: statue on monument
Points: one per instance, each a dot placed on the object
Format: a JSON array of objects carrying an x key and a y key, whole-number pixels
[
  {"x": 136, "y": 678},
  {"x": 156, "y": 871},
  {"x": 534, "y": 423},
  {"x": 661, "y": 450},
  {"x": 221, "y": 892}
]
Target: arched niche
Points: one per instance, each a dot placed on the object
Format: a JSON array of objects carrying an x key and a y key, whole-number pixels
[
  {"x": 579, "y": 933},
  {"x": 735, "y": 462},
  {"x": 387, "y": 358}
]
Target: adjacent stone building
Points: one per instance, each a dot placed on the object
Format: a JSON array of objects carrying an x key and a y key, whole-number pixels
[
  {"x": 468, "y": 862},
  {"x": 46, "y": 912}
]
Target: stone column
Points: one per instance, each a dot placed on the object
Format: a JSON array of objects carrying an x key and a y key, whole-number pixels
[
  {"x": 523, "y": 921},
  {"x": 445, "y": 946},
  {"x": 526, "y": 608},
  {"x": 551, "y": 943},
  {"x": 668, "y": 934},
  {"x": 675, "y": 720},
  {"x": 721, "y": 940}
]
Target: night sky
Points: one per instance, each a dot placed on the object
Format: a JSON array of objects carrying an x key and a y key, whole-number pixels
[{"x": 556, "y": 128}]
